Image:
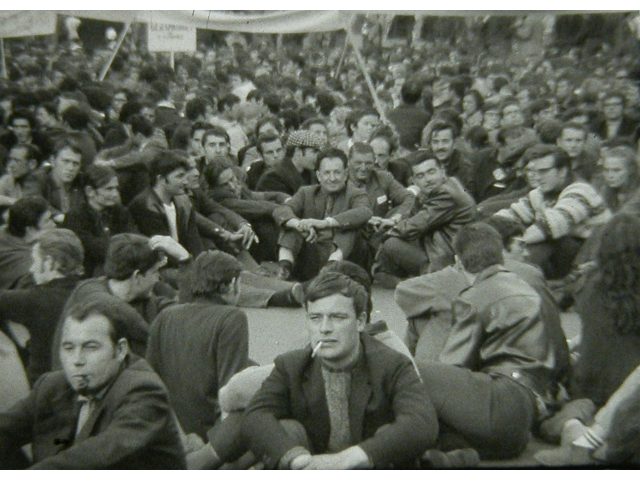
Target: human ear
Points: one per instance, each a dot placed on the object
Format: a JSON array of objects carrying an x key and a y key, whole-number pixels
[
  {"x": 122, "y": 349},
  {"x": 361, "y": 321}
]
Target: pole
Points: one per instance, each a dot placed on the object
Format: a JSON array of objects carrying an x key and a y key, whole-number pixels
[
  {"x": 342, "y": 57},
  {"x": 105, "y": 69},
  {"x": 367, "y": 78},
  {"x": 172, "y": 60},
  {"x": 4, "y": 62}
]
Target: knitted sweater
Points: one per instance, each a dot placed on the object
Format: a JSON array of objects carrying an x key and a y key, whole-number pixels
[{"x": 575, "y": 212}]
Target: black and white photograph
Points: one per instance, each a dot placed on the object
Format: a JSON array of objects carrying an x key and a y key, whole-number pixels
[{"x": 320, "y": 239}]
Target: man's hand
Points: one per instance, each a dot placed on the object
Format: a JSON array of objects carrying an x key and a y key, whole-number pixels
[
  {"x": 105, "y": 163},
  {"x": 248, "y": 236},
  {"x": 351, "y": 458},
  {"x": 382, "y": 224},
  {"x": 170, "y": 246}
]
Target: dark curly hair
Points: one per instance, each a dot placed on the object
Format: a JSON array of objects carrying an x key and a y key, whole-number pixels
[{"x": 619, "y": 277}]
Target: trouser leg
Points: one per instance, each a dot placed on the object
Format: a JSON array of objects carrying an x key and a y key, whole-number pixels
[
  {"x": 402, "y": 258},
  {"x": 555, "y": 257},
  {"x": 492, "y": 414}
]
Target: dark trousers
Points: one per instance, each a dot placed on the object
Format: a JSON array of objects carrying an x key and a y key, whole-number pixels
[
  {"x": 402, "y": 258},
  {"x": 555, "y": 257},
  {"x": 492, "y": 414},
  {"x": 267, "y": 248}
]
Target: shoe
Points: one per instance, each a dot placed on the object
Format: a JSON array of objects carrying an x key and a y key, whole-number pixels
[
  {"x": 573, "y": 429},
  {"x": 455, "y": 459},
  {"x": 582, "y": 409},
  {"x": 386, "y": 280},
  {"x": 567, "y": 456},
  {"x": 297, "y": 293}
]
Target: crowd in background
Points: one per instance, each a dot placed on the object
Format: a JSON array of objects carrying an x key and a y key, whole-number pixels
[{"x": 248, "y": 171}]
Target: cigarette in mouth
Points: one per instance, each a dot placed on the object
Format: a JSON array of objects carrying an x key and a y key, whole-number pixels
[{"x": 316, "y": 349}]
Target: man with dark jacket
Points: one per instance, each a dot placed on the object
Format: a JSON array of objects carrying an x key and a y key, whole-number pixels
[
  {"x": 408, "y": 118},
  {"x": 56, "y": 267},
  {"x": 297, "y": 168},
  {"x": 496, "y": 370},
  {"x": 106, "y": 409},
  {"x": 164, "y": 208},
  {"x": 320, "y": 223},
  {"x": 346, "y": 400},
  {"x": 423, "y": 242}
]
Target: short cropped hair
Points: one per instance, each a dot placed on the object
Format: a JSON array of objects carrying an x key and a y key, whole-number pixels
[
  {"x": 360, "y": 148},
  {"x": 209, "y": 272},
  {"x": 128, "y": 253},
  {"x": 418, "y": 157},
  {"x": 265, "y": 139},
  {"x": 331, "y": 152},
  {"x": 331, "y": 283},
  {"x": 478, "y": 246},
  {"x": 25, "y": 213},
  {"x": 164, "y": 163},
  {"x": 356, "y": 273},
  {"x": 64, "y": 247},
  {"x": 97, "y": 175},
  {"x": 215, "y": 131},
  {"x": 120, "y": 315},
  {"x": 561, "y": 159}
]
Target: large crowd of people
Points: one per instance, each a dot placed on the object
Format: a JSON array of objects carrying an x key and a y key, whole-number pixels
[{"x": 140, "y": 214}]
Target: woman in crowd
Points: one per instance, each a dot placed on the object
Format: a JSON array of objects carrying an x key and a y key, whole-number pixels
[{"x": 620, "y": 178}]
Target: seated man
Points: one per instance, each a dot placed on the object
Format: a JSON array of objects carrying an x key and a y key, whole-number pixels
[
  {"x": 28, "y": 217},
  {"x": 59, "y": 184},
  {"x": 423, "y": 241},
  {"x": 496, "y": 372},
  {"x": 296, "y": 169},
  {"x": 197, "y": 346},
  {"x": 106, "y": 409},
  {"x": 346, "y": 400},
  {"x": 559, "y": 214},
  {"x": 320, "y": 223},
  {"x": 389, "y": 200},
  {"x": 56, "y": 266},
  {"x": 427, "y": 302},
  {"x": 23, "y": 159},
  {"x": 164, "y": 208},
  {"x": 132, "y": 270}
]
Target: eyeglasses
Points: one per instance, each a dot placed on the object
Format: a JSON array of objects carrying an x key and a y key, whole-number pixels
[{"x": 540, "y": 171}]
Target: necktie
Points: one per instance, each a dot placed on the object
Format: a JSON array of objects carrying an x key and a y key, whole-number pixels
[{"x": 86, "y": 405}]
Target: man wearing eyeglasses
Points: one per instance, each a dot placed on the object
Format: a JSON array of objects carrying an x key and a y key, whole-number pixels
[{"x": 559, "y": 214}]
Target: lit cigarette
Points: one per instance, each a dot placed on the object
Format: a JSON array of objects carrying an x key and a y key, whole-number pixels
[{"x": 316, "y": 349}]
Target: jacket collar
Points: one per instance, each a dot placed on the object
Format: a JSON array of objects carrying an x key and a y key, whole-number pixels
[{"x": 489, "y": 272}]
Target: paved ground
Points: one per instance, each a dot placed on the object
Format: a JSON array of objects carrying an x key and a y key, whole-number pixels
[{"x": 277, "y": 330}]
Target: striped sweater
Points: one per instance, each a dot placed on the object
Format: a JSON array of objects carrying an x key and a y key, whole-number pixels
[{"x": 575, "y": 212}]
